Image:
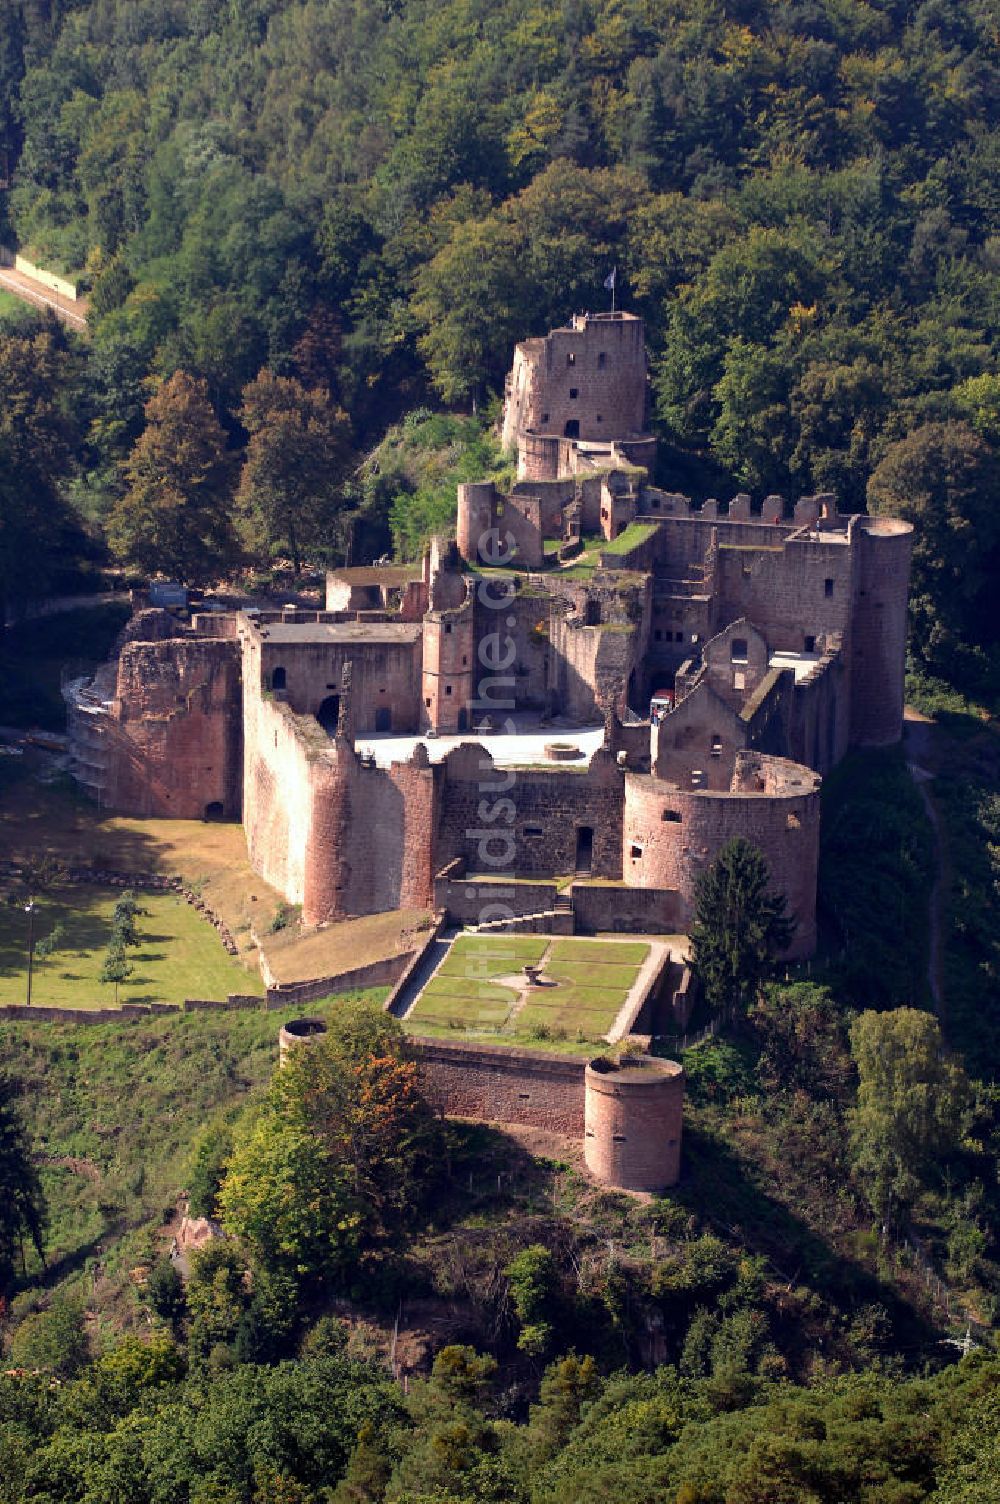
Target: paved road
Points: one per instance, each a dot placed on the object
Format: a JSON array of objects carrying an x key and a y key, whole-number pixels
[{"x": 36, "y": 293}]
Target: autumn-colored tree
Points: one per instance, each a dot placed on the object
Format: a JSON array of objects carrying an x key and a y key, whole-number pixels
[
  {"x": 175, "y": 514},
  {"x": 341, "y": 1156},
  {"x": 294, "y": 465}
]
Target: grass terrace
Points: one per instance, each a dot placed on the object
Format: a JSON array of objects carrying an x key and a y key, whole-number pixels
[
  {"x": 478, "y": 991},
  {"x": 179, "y": 954}
]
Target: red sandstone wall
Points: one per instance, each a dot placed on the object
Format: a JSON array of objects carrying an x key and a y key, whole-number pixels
[
  {"x": 449, "y": 659},
  {"x": 384, "y": 676},
  {"x": 629, "y": 911},
  {"x": 176, "y": 745},
  {"x": 878, "y": 630},
  {"x": 497, "y": 1085},
  {"x": 632, "y": 1136},
  {"x": 555, "y": 803},
  {"x": 611, "y": 392},
  {"x": 676, "y": 851}
]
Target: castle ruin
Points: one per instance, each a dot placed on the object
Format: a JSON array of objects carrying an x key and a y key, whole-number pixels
[{"x": 724, "y": 658}]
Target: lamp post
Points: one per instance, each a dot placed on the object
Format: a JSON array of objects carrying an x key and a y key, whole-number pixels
[{"x": 29, "y": 909}]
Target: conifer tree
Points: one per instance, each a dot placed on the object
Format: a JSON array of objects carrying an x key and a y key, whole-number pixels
[
  {"x": 22, "y": 1204},
  {"x": 740, "y": 927}
]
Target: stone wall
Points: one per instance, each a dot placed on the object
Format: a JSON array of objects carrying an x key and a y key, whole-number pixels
[
  {"x": 592, "y": 374},
  {"x": 497, "y": 1085},
  {"x": 548, "y": 807},
  {"x": 478, "y": 900},
  {"x": 631, "y": 911},
  {"x": 174, "y": 739},
  {"x": 672, "y": 834},
  {"x": 878, "y": 630},
  {"x": 286, "y": 756},
  {"x": 385, "y": 678}
]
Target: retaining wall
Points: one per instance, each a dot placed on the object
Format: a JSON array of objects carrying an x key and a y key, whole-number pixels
[{"x": 497, "y": 1085}]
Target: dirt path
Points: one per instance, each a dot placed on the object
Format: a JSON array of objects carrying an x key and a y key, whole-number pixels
[
  {"x": 40, "y": 296},
  {"x": 918, "y": 744}
]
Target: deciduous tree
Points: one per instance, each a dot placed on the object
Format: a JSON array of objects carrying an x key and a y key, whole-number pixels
[
  {"x": 294, "y": 466},
  {"x": 911, "y": 1106},
  {"x": 175, "y": 515}
]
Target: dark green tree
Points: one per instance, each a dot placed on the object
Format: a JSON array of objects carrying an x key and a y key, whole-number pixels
[
  {"x": 22, "y": 1204},
  {"x": 740, "y": 928},
  {"x": 945, "y": 479}
]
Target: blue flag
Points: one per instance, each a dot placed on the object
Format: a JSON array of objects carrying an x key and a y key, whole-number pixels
[{"x": 609, "y": 281}]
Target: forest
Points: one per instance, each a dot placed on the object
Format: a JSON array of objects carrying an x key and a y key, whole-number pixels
[
  {"x": 310, "y": 232},
  {"x": 319, "y": 216}
]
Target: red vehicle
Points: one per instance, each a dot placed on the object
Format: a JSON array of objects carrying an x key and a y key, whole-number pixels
[{"x": 661, "y": 704}]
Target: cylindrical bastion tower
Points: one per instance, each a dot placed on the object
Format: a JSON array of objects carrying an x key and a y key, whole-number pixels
[
  {"x": 878, "y": 629},
  {"x": 296, "y": 1032},
  {"x": 477, "y": 515},
  {"x": 632, "y": 1122}
]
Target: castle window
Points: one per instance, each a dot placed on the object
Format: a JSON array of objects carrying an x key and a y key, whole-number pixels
[
  {"x": 635, "y": 852},
  {"x": 657, "y": 635},
  {"x": 545, "y": 417},
  {"x": 465, "y": 660},
  {"x": 716, "y": 746},
  {"x": 601, "y": 360},
  {"x": 427, "y": 702},
  {"x": 618, "y": 1138},
  {"x": 447, "y": 689},
  {"x": 827, "y": 587},
  {"x": 793, "y": 822},
  {"x": 533, "y": 831},
  {"x": 810, "y": 644},
  {"x": 672, "y": 816},
  {"x": 278, "y": 678},
  {"x": 447, "y": 627},
  {"x": 574, "y": 392},
  {"x": 739, "y": 679},
  {"x": 599, "y": 418},
  {"x": 656, "y": 503},
  {"x": 571, "y": 359},
  {"x": 738, "y": 651}
]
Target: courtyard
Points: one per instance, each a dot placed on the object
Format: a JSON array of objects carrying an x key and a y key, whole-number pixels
[{"x": 583, "y": 989}]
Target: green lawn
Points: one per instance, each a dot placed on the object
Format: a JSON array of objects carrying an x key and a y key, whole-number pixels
[
  {"x": 465, "y": 996},
  {"x": 513, "y": 950},
  {"x": 179, "y": 955},
  {"x": 600, "y": 952}
]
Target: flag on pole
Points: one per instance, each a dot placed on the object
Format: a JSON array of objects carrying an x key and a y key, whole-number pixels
[{"x": 609, "y": 281}]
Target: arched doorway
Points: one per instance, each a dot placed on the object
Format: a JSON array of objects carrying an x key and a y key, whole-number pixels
[
  {"x": 215, "y": 810},
  {"x": 328, "y": 714},
  {"x": 584, "y": 850},
  {"x": 278, "y": 678},
  {"x": 572, "y": 429},
  {"x": 383, "y": 718}
]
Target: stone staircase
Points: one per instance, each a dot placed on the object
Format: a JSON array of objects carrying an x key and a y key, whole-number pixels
[{"x": 556, "y": 921}]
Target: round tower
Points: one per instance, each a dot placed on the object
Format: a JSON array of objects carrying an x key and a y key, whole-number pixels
[
  {"x": 632, "y": 1122},
  {"x": 670, "y": 835},
  {"x": 878, "y": 629},
  {"x": 477, "y": 507},
  {"x": 298, "y": 1031}
]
